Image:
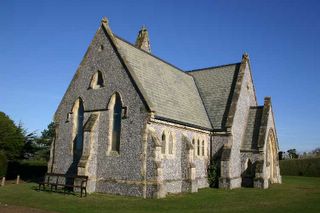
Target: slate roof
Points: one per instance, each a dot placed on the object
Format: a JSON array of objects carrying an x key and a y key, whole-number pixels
[
  {"x": 216, "y": 86},
  {"x": 251, "y": 135},
  {"x": 172, "y": 92}
]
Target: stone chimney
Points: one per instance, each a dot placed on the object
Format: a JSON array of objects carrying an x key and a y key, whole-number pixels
[{"x": 143, "y": 41}]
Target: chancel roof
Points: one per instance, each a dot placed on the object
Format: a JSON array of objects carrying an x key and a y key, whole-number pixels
[{"x": 216, "y": 86}]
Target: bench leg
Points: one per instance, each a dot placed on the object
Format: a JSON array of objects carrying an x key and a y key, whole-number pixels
[
  {"x": 65, "y": 189},
  {"x": 85, "y": 192}
]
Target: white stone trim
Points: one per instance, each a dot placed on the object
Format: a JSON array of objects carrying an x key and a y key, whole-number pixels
[
  {"x": 94, "y": 80},
  {"x": 74, "y": 118},
  {"x": 111, "y": 104},
  {"x": 110, "y": 111},
  {"x": 203, "y": 147},
  {"x": 168, "y": 135}
]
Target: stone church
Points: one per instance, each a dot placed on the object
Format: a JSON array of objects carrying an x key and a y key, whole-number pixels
[{"x": 137, "y": 125}]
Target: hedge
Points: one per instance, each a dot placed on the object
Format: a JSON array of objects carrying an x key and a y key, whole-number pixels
[
  {"x": 3, "y": 164},
  {"x": 28, "y": 170},
  {"x": 301, "y": 167}
]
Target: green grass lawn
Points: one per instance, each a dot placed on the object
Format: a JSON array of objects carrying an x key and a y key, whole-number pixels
[{"x": 296, "y": 194}]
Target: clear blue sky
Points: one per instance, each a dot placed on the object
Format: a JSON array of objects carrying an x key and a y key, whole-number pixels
[{"x": 42, "y": 43}]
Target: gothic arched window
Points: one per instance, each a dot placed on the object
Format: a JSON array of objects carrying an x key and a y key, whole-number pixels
[
  {"x": 170, "y": 144},
  {"x": 203, "y": 147},
  {"x": 163, "y": 144},
  {"x": 78, "y": 116},
  {"x": 116, "y": 130},
  {"x": 115, "y": 116},
  {"x": 198, "y": 148}
]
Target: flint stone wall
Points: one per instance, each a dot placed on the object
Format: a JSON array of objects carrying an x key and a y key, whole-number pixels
[
  {"x": 175, "y": 169},
  {"x": 106, "y": 170}
]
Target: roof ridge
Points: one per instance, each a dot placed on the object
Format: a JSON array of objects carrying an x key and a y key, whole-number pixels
[
  {"x": 207, "y": 68},
  {"x": 156, "y": 57}
]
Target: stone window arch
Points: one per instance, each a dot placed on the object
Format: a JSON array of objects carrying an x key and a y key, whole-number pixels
[
  {"x": 203, "y": 148},
  {"x": 77, "y": 128},
  {"x": 198, "y": 147},
  {"x": 163, "y": 143},
  {"x": 272, "y": 162},
  {"x": 206, "y": 149},
  {"x": 96, "y": 81},
  {"x": 194, "y": 146},
  {"x": 171, "y": 144},
  {"x": 115, "y": 117}
]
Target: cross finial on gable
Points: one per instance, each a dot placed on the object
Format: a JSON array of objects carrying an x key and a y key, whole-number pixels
[
  {"x": 105, "y": 20},
  {"x": 143, "y": 41},
  {"x": 245, "y": 56}
]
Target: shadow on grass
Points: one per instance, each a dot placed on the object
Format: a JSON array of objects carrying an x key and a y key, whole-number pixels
[{"x": 58, "y": 191}]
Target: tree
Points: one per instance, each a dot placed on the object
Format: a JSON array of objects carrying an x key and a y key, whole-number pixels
[
  {"x": 43, "y": 143},
  {"x": 292, "y": 153},
  {"x": 30, "y": 147},
  {"x": 11, "y": 137},
  {"x": 316, "y": 151},
  {"x": 47, "y": 135},
  {"x": 3, "y": 164},
  {"x": 281, "y": 155}
]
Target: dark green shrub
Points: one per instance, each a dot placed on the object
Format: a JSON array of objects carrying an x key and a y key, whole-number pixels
[
  {"x": 27, "y": 169},
  {"x": 301, "y": 167},
  {"x": 213, "y": 174},
  {"x": 3, "y": 164}
]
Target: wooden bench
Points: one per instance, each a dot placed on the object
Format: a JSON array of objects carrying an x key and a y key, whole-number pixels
[{"x": 66, "y": 182}]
